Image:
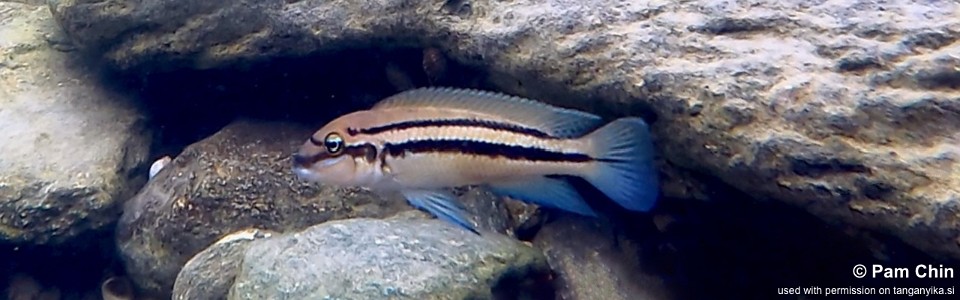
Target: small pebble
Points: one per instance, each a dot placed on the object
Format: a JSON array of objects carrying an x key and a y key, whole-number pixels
[
  {"x": 117, "y": 288},
  {"x": 158, "y": 165}
]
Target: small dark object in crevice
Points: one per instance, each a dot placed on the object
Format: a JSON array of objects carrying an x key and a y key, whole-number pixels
[
  {"x": 726, "y": 26},
  {"x": 858, "y": 63},
  {"x": 526, "y": 285},
  {"x": 876, "y": 190},
  {"x": 932, "y": 40},
  {"x": 817, "y": 166},
  {"x": 939, "y": 79},
  {"x": 527, "y": 230},
  {"x": 458, "y": 7}
]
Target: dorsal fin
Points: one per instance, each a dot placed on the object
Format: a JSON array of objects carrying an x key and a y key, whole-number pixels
[{"x": 555, "y": 121}]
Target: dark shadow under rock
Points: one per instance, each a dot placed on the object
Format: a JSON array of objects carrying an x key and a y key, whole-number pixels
[
  {"x": 734, "y": 245},
  {"x": 70, "y": 272},
  {"x": 592, "y": 264}
]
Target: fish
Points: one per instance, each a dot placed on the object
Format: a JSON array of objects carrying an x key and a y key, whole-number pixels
[{"x": 423, "y": 142}]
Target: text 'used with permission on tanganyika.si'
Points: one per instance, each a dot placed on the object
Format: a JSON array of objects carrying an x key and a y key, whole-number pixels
[{"x": 878, "y": 271}]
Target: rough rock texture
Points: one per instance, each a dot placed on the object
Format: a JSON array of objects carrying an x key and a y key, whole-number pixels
[
  {"x": 591, "y": 265},
  {"x": 846, "y": 109},
  {"x": 210, "y": 273},
  {"x": 397, "y": 258},
  {"x": 241, "y": 178},
  {"x": 236, "y": 179},
  {"x": 69, "y": 146}
]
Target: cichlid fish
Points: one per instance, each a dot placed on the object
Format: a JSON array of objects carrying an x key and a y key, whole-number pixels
[{"x": 423, "y": 141}]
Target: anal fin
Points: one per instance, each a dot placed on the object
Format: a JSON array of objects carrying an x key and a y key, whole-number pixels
[
  {"x": 442, "y": 204},
  {"x": 544, "y": 191}
]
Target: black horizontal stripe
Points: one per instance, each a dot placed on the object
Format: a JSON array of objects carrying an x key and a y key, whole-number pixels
[
  {"x": 484, "y": 149},
  {"x": 315, "y": 141},
  {"x": 367, "y": 151},
  {"x": 453, "y": 122}
]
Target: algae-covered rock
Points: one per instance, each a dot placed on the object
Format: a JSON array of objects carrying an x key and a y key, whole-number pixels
[
  {"x": 210, "y": 274},
  {"x": 236, "y": 179},
  {"x": 70, "y": 148}
]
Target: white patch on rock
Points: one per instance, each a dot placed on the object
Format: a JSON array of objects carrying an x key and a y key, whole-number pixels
[{"x": 158, "y": 165}]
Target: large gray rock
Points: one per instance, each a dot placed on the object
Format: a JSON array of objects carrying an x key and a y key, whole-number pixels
[
  {"x": 241, "y": 178},
  {"x": 408, "y": 258},
  {"x": 210, "y": 274},
  {"x": 69, "y": 147},
  {"x": 848, "y": 110}
]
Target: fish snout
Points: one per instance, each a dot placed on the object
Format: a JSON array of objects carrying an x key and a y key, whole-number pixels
[{"x": 300, "y": 160}]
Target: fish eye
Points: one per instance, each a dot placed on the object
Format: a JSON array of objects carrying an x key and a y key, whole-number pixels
[{"x": 333, "y": 142}]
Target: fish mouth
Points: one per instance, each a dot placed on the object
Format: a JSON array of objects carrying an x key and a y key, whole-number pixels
[
  {"x": 304, "y": 174},
  {"x": 309, "y": 172}
]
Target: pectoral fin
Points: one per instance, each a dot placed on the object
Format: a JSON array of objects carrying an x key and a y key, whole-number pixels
[
  {"x": 549, "y": 192},
  {"x": 442, "y": 204}
]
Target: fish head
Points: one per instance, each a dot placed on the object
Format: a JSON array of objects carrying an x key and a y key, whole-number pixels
[{"x": 333, "y": 156}]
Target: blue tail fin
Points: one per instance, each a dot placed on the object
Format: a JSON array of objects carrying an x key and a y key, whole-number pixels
[{"x": 625, "y": 171}]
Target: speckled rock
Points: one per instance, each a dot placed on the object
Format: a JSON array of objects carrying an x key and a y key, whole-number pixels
[
  {"x": 591, "y": 264},
  {"x": 398, "y": 258},
  {"x": 210, "y": 274},
  {"x": 69, "y": 146},
  {"x": 236, "y": 179},
  {"x": 241, "y": 178},
  {"x": 847, "y": 110}
]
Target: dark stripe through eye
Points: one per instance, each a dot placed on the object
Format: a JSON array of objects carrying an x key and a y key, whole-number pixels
[
  {"x": 367, "y": 151},
  {"x": 452, "y": 122},
  {"x": 316, "y": 142},
  {"x": 484, "y": 149}
]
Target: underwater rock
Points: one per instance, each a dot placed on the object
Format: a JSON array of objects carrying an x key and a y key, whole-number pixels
[
  {"x": 241, "y": 178},
  {"x": 116, "y": 288},
  {"x": 591, "y": 264},
  {"x": 210, "y": 274},
  {"x": 849, "y": 111},
  {"x": 236, "y": 179},
  {"x": 24, "y": 287},
  {"x": 405, "y": 257},
  {"x": 69, "y": 146}
]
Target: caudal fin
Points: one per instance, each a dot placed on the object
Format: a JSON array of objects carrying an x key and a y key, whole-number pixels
[{"x": 624, "y": 170}]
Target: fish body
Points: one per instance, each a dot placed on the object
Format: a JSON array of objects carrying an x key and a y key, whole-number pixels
[{"x": 423, "y": 141}]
